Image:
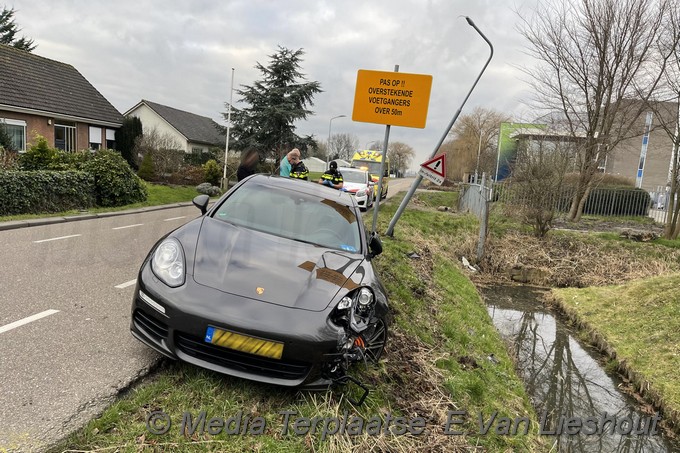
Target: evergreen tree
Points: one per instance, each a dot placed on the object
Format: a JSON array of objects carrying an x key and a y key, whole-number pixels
[
  {"x": 125, "y": 139},
  {"x": 8, "y": 31},
  {"x": 274, "y": 103},
  {"x": 5, "y": 139}
]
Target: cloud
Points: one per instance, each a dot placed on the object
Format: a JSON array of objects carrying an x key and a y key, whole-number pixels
[{"x": 181, "y": 53}]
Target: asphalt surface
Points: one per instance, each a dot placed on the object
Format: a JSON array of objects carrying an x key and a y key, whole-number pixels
[{"x": 65, "y": 347}]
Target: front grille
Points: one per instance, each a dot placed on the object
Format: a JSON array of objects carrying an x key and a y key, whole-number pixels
[
  {"x": 241, "y": 361},
  {"x": 151, "y": 326}
]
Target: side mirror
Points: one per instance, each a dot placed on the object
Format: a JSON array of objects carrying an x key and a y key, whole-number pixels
[
  {"x": 374, "y": 246},
  {"x": 201, "y": 202}
]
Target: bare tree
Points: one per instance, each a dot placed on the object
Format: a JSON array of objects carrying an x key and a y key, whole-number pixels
[
  {"x": 537, "y": 179},
  {"x": 343, "y": 146},
  {"x": 667, "y": 114},
  {"x": 598, "y": 66},
  {"x": 473, "y": 142},
  {"x": 165, "y": 151},
  {"x": 400, "y": 155}
]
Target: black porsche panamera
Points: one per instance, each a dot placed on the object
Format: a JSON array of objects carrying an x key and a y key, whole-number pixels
[{"x": 273, "y": 283}]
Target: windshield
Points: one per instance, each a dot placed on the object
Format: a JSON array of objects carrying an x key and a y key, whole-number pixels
[
  {"x": 372, "y": 167},
  {"x": 354, "y": 176},
  {"x": 292, "y": 215}
]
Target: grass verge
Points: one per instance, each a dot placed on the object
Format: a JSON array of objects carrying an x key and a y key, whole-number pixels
[
  {"x": 443, "y": 355},
  {"x": 637, "y": 325}
]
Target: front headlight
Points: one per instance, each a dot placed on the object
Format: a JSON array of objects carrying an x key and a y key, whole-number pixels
[
  {"x": 361, "y": 300},
  {"x": 168, "y": 263},
  {"x": 361, "y": 192},
  {"x": 365, "y": 300}
]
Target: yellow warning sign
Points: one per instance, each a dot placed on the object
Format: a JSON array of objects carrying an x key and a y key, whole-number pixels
[{"x": 392, "y": 98}]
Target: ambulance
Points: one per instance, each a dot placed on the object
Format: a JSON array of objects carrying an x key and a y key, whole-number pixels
[{"x": 370, "y": 160}]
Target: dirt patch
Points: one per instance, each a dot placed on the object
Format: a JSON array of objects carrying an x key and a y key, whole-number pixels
[
  {"x": 569, "y": 260},
  {"x": 607, "y": 226}
]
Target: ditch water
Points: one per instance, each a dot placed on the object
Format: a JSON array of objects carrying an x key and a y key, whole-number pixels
[{"x": 569, "y": 388}]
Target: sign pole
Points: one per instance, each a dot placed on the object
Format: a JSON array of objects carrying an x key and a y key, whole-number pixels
[
  {"x": 376, "y": 203},
  {"x": 419, "y": 178}
]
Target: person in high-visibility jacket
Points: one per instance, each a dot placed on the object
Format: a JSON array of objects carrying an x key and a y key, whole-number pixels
[
  {"x": 332, "y": 177},
  {"x": 299, "y": 171}
]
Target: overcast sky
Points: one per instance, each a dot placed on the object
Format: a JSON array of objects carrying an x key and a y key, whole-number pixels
[{"x": 180, "y": 53}]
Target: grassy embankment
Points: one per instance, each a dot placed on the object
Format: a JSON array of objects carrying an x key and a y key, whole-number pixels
[
  {"x": 438, "y": 359},
  {"x": 637, "y": 324},
  {"x": 627, "y": 304}
]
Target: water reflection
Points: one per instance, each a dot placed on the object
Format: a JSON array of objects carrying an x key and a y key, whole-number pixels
[{"x": 566, "y": 382}]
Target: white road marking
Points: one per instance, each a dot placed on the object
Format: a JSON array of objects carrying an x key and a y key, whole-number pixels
[
  {"x": 175, "y": 218},
  {"x": 21, "y": 322},
  {"x": 126, "y": 284},
  {"x": 56, "y": 239},
  {"x": 128, "y": 226}
]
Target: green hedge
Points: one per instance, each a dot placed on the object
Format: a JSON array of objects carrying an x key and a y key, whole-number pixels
[
  {"x": 618, "y": 202},
  {"x": 36, "y": 192}
]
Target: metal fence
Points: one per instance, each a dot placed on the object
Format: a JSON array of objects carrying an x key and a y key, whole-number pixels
[
  {"x": 602, "y": 201},
  {"x": 475, "y": 198}
]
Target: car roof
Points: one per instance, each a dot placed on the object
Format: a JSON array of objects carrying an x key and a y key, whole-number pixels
[{"x": 307, "y": 187}]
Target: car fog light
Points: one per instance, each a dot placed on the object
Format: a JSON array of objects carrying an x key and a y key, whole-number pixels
[{"x": 345, "y": 303}]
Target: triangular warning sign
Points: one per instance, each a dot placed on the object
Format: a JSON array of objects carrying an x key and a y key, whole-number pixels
[{"x": 436, "y": 165}]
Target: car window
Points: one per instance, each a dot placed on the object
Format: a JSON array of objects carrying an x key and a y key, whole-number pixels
[{"x": 293, "y": 215}]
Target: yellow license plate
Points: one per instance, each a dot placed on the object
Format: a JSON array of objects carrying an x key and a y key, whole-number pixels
[{"x": 244, "y": 343}]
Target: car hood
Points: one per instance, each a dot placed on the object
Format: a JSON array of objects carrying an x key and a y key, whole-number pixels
[
  {"x": 268, "y": 268},
  {"x": 353, "y": 186}
]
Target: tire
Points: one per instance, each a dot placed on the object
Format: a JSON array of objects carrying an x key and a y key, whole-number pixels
[{"x": 375, "y": 340}]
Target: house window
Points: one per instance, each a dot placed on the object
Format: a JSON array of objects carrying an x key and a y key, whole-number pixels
[
  {"x": 110, "y": 139},
  {"x": 16, "y": 130},
  {"x": 95, "y": 137},
  {"x": 65, "y": 137},
  {"x": 195, "y": 150}
]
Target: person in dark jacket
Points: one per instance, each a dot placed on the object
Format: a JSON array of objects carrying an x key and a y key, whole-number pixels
[
  {"x": 332, "y": 177},
  {"x": 248, "y": 163},
  {"x": 299, "y": 171}
]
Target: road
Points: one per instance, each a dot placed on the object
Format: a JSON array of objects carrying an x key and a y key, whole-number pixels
[
  {"x": 65, "y": 347},
  {"x": 57, "y": 371}
]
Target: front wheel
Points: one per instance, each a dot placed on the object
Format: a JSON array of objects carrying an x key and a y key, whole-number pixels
[{"x": 375, "y": 339}]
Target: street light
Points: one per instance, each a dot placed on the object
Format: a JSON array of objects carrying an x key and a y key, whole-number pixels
[
  {"x": 225, "y": 183},
  {"x": 328, "y": 144},
  {"x": 373, "y": 141}
]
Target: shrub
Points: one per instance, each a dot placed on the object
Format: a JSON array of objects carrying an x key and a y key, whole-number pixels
[
  {"x": 618, "y": 202},
  {"x": 62, "y": 161},
  {"x": 200, "y": 158},
  {"x": 146, "y": 168},
  {"x": 36, "y": 192},
  {"x": 39, "y": 156},
  {"x": 9, "y": 160},
  {"x": 208, "y": 189},
  {"x": 212, "y": 172},
  {"x": 115, "y": 182},
  {"x": 187, "y": 176}
]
